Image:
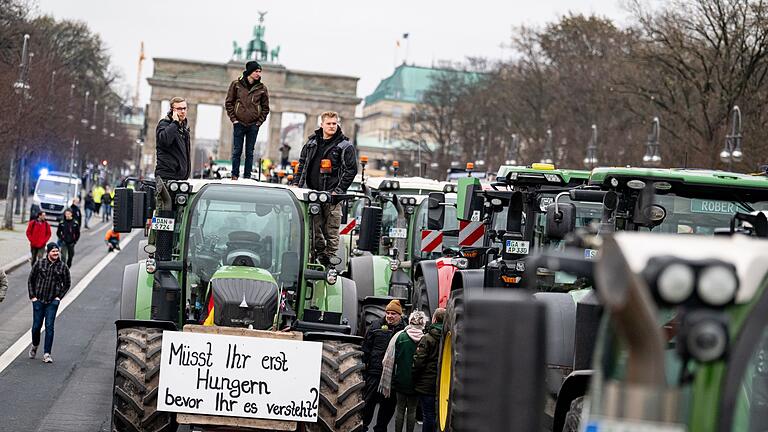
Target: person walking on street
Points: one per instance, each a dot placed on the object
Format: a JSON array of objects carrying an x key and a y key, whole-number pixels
[
  {"x": 3, "y": 285},
  {"x": 113, "y": 240},
  {"x": 68, "y": 233},
  {"x": 173, "y": 141},
  {"x": 327, "y": 143},
  {"x": 247, "y": 106},
  {"x": 76, "y": 214},
  {"x": 38, "y": 234},
  {"x": 48, "y": 283},
  {"x": 285, "y": 154},
  {"x": 98, "y": 194},
  {"x": 89, "y": 207},
  {"x": 374, "y": 347},
  {"x": 397, "y": 371},
  {"x": 425, "y": 370},
  {"x": 106, "y": 201}
]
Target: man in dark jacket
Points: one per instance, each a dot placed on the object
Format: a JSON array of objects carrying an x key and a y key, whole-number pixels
[
  {"x": 48, "y": 282},
  {"x": 327, "y": 143},
  {"x": 172, "y": 134},
  {"x": 247, "y": 106},
  {"x": 374, "y": 347},
  {"x": 425, "y": 370},
  {"x": 76, "y": 213},
  {"x": 68, "y": 233}
]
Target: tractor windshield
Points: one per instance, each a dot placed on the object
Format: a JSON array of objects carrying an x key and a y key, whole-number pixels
[
  {"x": 700, "y": 216},
  {"x": 451, "y": 224},
  {"x": 235, "y": 225}
]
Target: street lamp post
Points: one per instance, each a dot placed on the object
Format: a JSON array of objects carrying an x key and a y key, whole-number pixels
[
  {"x": 549, "y": 153},
  {"x": 652, "y": 155},
  {"x": 590, "y": 160},
  {"x": 514, "y": 151},
  {"x": 21, "y": 87},
  {"x": 732, "y": 151}
]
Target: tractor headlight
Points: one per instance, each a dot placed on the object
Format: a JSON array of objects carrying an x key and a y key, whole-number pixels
[
  {"x": 331, "y": 276},
  {"x": 314, "y": 209},
  {"x": 313, "y": 196},
  {"x": 409, "y": 210},
  {"x": 324, "y": 197},
  {"x": 151, "y": 265},
  {"x": 174, "y": 187},
  {"x": 636, "y": 184},
  {"x": 394, "y": 264},
  {"x": 552, "y": 178},
  {"x": 184, "y": 187},
  {"x": 181, "y": 199},
  {"x": 460, "y": 263},
  {"x": 704, "y": 335},
  {"x": 404, "y": 201},
  {"x": 675, "y": 283},
  {"x": 512, "y": 176},
  {"x": 717, "y": 285},
  {"x": 496, "y": 202}
]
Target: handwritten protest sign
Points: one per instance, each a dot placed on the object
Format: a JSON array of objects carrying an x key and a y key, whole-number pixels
[{"x": 239, "y": 376}]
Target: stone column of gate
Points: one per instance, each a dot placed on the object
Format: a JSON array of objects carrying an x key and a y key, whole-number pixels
[
  {"x": 310, "y": 125},
  {"x": 225, "y": 137},
  {"x": 273, "y": 145},
  {"x": 149, "y": 149},
  {"x": 192, "y": 122}
]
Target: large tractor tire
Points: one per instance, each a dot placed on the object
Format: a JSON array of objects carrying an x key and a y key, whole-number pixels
[
  {"x": 341, "y": 389},
  {"x": 368, "y": 315},
  {"x": 420, "y": 299},
  {"x": 573, "y": 418},
  {"x": 137, "y": 376},
  {"x": 450, "y": 362}
]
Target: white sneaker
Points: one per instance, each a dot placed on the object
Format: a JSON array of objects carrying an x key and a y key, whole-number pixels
[
  {"x": 33, "y": 352},
  {"x": 47, "y": 358}
]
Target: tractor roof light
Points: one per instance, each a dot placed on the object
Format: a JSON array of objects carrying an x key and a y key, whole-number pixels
[
  {"x": 363, "y": 160},
  {"x": 325, "y": 166},
  {"x": 395, "y": 164},
  {"x": 281, "y": 173},
  {"x": 174, "y": 187},
  {"x": 470, "y": 166},
  {"x": 313, "y": 196},
  {"x": 552, "y": 178},
  {"x": 675, "y": 283},
  {"x": 543, "y": 166},
  {"x": 512, "y": 176},
  {"x": 324, "y": 197},
  {"x": 450, "y": 188},
  {"x": 717, "y": 285},
  {"x": 636, "y": 184},
  {"x": 184, "y": 187},
  {"x": 294, "y": 163}
]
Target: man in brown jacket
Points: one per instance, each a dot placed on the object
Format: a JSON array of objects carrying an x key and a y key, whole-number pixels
[{"x": 247, "y": 106}]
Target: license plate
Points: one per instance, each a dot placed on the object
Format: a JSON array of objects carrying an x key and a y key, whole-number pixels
[
  {"x": 609, "y": 425},
  {"x": 517, "y": 247},
  {"x": 398, "y": 233},
  {"x": 163, "y": 224}
]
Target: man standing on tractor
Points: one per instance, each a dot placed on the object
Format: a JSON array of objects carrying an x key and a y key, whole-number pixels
[
  {"x": 328, "y": 162},
  {"x": 172, "y": 135},
  {"x": 374, "y": 347},
  {"x": 247, "y": 106},
  {"x": 425, "y": 370},
  {"x": 48, "y": 282}
]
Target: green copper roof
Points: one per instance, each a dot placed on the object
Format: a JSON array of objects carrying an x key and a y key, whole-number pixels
[
  {"x": 691, "y": 176},
  {"x": 408, "y": 83}
]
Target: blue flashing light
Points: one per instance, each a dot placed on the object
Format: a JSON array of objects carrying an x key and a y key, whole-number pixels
[{"x": 43, "y": 172}]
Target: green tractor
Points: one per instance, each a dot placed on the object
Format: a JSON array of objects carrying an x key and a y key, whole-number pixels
[
  {"x": 672, "y": 201},
  {"x": 388, "y": 244},
  {"x": 231, "y": 255}
]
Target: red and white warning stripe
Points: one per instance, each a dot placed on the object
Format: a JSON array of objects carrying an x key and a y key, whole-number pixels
[
  {"x": 431, "y": 240},
  {"x": 471, "y": 233},
  {"x": 346, "y": 229}
]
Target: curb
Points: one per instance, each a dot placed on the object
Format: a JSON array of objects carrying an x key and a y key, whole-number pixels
[{"x": 13, "y": 265}]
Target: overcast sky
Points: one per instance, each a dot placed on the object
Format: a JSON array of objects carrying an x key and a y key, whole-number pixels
[{"x": 350, "y": 37}]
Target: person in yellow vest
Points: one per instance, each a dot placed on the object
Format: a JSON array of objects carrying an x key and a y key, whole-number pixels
[{"x": 98, "y": 193}]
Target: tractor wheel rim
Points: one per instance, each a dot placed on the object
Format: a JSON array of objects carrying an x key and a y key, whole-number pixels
[{"x": 445, "y": 380}]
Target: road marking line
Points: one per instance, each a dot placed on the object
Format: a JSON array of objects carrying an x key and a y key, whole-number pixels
[{"x": 24, "y": 341}]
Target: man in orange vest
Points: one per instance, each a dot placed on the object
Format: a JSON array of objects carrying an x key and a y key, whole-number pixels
[{"x": 113, "y": 240}]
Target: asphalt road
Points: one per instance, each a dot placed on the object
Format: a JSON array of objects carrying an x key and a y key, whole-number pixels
[{"x": 75, "y": 392}]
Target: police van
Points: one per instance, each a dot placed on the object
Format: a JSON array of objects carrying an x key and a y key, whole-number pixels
[{"x": 54, "y": 192}]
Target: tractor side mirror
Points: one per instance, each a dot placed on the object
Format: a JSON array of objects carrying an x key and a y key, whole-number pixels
[
  {"x": 370, "y": 229},
  {"x": 435, "y": 211},
  {"x": 289, "y": 270},
  {"x": 123, "y": 210},
  {"x": 561, "y": 220}
]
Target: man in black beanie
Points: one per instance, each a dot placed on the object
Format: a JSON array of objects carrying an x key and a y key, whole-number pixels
[
  {"x": 48, "y": 282},
  {"x": 247, "y": 106}
]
